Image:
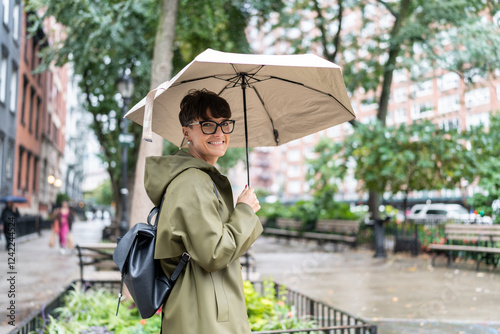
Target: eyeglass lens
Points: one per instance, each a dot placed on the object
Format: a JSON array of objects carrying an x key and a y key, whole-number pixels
[{"x": 210, "y": 127}]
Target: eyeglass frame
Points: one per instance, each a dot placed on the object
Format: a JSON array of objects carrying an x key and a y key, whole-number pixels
[{"x": 217, "y": 125}]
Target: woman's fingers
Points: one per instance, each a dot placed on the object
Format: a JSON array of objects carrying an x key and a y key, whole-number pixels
[{"x": 248, "y": 196}]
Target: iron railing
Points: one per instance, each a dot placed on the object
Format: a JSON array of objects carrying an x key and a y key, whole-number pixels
[{"x": 329, "y": 320}]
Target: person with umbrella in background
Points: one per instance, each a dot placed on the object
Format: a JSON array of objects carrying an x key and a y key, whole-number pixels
[
  {"x": 8, "y": 218},
  {"x": 198, "y": 217}
]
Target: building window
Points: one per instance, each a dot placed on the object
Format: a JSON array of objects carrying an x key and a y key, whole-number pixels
[
  {"x": 13, "y": 90},
  {"x": 369, "y": 104},
  {"x": 477, "y": 120},
  {"x": 420, "y": 89},
  {"x": 9, "y": 161},
  {"x": 37, "y": 120},
  {"x": 3, "y": 78},
  {"x": 32, "y": 101},
  {"x": 421, "y": 110},
  {"x": 6, "y": 11},
  {"x": 400, "y": 115},
  {"x": 23, "y": 105},
  {"x": 293, "y": 155},
  {"x": 477, "y": 97},
  {"x": 28, "y": 164},
  {"x": 400, "y": 75},
  {"x": 449, "y": 103},
  {"x": 400, "y": 95},
  {"x": 35, "y": 173},
  {"x": 448, "y": 81},
  {"x": 20, "y": 167},
  {"x": 294, "y": 171},
  {"x": 450, "y": 124},
  {"x": 16, "y": 21}
]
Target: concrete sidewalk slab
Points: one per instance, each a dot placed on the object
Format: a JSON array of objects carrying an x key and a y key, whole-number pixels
[
  {"x": 32, "y": 276},
  {"x": 399, "y": 293}
]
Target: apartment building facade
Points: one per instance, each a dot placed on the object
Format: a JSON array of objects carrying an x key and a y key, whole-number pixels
[
  {"x": 39, "y": 144},
  {"x": 10, "y": 45},
  {"x": 443, "y": 97}
]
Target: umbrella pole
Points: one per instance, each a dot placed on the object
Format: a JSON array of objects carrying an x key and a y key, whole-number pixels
[{"x": 243, "y": 87}]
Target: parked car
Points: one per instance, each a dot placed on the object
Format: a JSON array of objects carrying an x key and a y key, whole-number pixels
[{"x": 444, "y": 212}]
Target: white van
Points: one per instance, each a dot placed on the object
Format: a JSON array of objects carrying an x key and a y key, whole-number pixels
[{"x": 444, "y": 212}]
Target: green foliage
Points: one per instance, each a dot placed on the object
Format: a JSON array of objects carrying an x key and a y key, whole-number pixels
[
  {"x": 272, "y": 211},
  {"x": 94, "y": 311},
  {"x": 420, "y": 156},
  {"x": 270, "y": 312},
  {"x": 105, "y": 39},
  {"x": 61, "y": 197},
  {"x": 485, "y": 144},
  {"x": 230, "y": 159},
  {"x": 481, "y": 203},
  {"x": 101, "y": 195}
]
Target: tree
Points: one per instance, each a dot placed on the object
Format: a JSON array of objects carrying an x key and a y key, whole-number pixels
[
  {"x": 102, "y": 41},
  {"x": 161, "y": 71},
  {"x": 419, "y": 35},
  {"x": 419, "y": 156},
  {"x": 105, "y": 39},
  {"x": 485, "y": 145}
]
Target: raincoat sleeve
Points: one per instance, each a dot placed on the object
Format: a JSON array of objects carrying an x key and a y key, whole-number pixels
[{"x": 197, "y": 217}]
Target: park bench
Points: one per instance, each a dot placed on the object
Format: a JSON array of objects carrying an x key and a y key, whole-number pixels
[
  {"x": 333, "y": 231},
  {"x": 96, "y": 263},
  {"x": 480, "y": 242},
  {"x": 285, "y": 228}
]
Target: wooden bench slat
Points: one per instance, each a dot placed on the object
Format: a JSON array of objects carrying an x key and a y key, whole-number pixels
[
  {"x": 99, "y": 256},
  {"x": 465, "y": 248}
]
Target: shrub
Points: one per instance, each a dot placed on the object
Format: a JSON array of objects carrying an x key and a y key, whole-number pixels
[{"x": 93, "y": 312}]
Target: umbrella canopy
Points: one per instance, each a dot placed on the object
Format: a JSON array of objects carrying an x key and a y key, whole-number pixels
[
  {"x": 12, "y": 198},
  {"x": 287, "y": 96},
  {"x": 274, "y": 99}
]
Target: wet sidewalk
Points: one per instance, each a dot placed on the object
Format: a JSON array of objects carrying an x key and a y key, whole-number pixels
[
  {"x": 32, "y": 276},
  {"x": 401, "y": 294}
]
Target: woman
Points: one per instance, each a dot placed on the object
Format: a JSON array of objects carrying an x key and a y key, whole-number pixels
[
  {"x": 198, "y": 216},
  {"x": 62, "y": 224}
]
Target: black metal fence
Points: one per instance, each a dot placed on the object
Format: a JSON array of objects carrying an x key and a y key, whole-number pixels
[
  {"x": 30, "y": 224},
  {"x": 328, "y": 319}
]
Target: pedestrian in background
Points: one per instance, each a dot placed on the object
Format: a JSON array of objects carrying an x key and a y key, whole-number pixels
[
  {"x": 9, "y": 214},
  {"x": 198, "y": 216},
  {"x": 62, "y": 224}
]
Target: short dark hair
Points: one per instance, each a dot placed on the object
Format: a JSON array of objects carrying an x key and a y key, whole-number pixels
[{"x": 195, "y": 104}]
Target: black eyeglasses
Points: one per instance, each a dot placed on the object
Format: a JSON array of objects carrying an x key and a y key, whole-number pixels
[{"x": 210, "y": 127}]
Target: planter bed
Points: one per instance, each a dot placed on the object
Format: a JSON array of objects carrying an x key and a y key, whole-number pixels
[{"x": 326, "y": 319}]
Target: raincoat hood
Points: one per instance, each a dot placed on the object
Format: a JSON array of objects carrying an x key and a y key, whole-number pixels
[{"x": 161, "y": 170}]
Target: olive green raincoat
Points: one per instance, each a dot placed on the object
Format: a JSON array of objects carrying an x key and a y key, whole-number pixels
[{"x": 201, "y": 219}]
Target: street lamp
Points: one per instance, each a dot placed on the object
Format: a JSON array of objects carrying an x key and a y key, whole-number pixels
[{"x": 125, "y": 86}]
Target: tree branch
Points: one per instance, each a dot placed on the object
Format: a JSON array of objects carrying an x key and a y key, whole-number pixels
[{"x": 388, "y": 7}]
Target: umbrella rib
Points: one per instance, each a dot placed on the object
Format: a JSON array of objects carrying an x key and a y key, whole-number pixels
[
  {"x": 275, "y": 131},
  {"x": 314, "y": 89}
]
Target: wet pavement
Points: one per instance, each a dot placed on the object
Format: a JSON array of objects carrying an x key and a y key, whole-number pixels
[{"x": 401, "y": 294}]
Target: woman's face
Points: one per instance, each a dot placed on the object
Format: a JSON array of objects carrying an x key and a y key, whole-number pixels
[{"x": 207, "y": 147}]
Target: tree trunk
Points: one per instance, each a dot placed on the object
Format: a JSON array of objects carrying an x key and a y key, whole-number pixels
[
  {"x": 389, "y": 66},
  {"x": 161, "y": 71}
]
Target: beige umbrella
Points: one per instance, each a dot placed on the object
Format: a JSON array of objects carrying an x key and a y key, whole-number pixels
[{"x": 274, "y": 98}]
